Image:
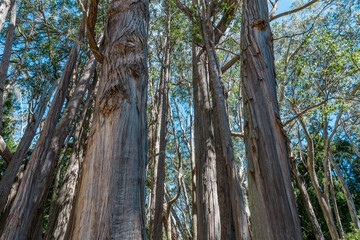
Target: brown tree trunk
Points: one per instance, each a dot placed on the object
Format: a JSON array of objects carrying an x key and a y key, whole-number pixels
[
  {"x": 28, "y": 202},
  {"x": 271, "y": 195},
  {"x": 110, "y": 203},
  {"x": 207, "y": 205}
]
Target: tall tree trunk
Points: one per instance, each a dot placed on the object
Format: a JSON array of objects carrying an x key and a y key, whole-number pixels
[
  {"x": 5, "y": 61},
  {"x": 207, "y": 205},
  {"x": 271, "y": 195},
  {"x": 110, "y": 203},
  {"x": 157, "y": 189},
  {"x": 60, "y": 211},
  {"x": 306, "y": 199},
  {"x": 28, "y": 202},
  {"x": 231, "y": 201}
]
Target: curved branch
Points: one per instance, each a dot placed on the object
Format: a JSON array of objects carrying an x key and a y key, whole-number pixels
[
  {"x": 293, "y": 11},
  {"x": 90, "y": 24}
]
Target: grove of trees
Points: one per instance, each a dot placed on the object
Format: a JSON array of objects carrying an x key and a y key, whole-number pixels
[{"x": 179, "y": 119}]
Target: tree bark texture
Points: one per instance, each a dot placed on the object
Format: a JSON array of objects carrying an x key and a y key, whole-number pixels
[
  {"x": 207, "y": 205},
  {"x": 230, "y": 196},
  {"x": 110, "y": 203},
  {"x": 28, "y": 202},
  {"x": 271, "y": 195}
]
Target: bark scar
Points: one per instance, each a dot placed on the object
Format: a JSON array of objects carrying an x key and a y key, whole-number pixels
[
  {"x": 111, "y": 98},
  {"x": 260, "y": 23}
]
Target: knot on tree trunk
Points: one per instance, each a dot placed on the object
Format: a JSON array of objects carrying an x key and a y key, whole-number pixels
[{"x": 260, "y": 23}]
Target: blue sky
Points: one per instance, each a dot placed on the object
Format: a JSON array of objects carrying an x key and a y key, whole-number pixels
[{"x": 283, "y": 5}]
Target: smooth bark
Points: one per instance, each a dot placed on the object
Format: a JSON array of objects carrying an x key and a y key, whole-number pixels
[
  {"x": 271, "y": 195},
  {"x": 4, "y": 151},
  {"x": 110, "y": 203}
]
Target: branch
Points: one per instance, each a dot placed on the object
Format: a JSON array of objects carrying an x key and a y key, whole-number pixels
[
  {"x": 230, "y": 63},
  {"x": 304, "y": 111},
  {"x": 4, "y": 151},
  {"x": 293, "y": 11},
  {"x": 185, "y": 9},
  {"x": 353, "y": 145},
  {"x": 90, "y": 24},
  {"x": 221, "y": 27},
  {"x": 236, "y": 134}
]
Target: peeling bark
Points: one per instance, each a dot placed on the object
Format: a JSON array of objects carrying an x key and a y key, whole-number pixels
[
  {"x": 271, "y": 195},
  {"x": 110, "y": 203},
  {"x": 9, "y": 184}
]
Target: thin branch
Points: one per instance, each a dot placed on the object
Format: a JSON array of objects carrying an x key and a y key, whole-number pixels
[{"x": 293, "y": 11}]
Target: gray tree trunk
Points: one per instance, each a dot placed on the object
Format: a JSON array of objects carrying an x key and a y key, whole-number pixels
[
  {"x": 207, "y": 205},
  {"x": 28, "y": 202},
  {"x": 336, "y": 209},
  {"x": 110, "y": 203},
  {"x": 231, "y": 201},
  {"x": 271, "y": 195}
]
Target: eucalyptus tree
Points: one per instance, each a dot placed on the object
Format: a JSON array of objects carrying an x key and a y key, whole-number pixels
[{"x": 111, "y": 196}]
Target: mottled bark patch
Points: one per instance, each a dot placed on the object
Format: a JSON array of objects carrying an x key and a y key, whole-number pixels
[{"x": 111, "y": 99}]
